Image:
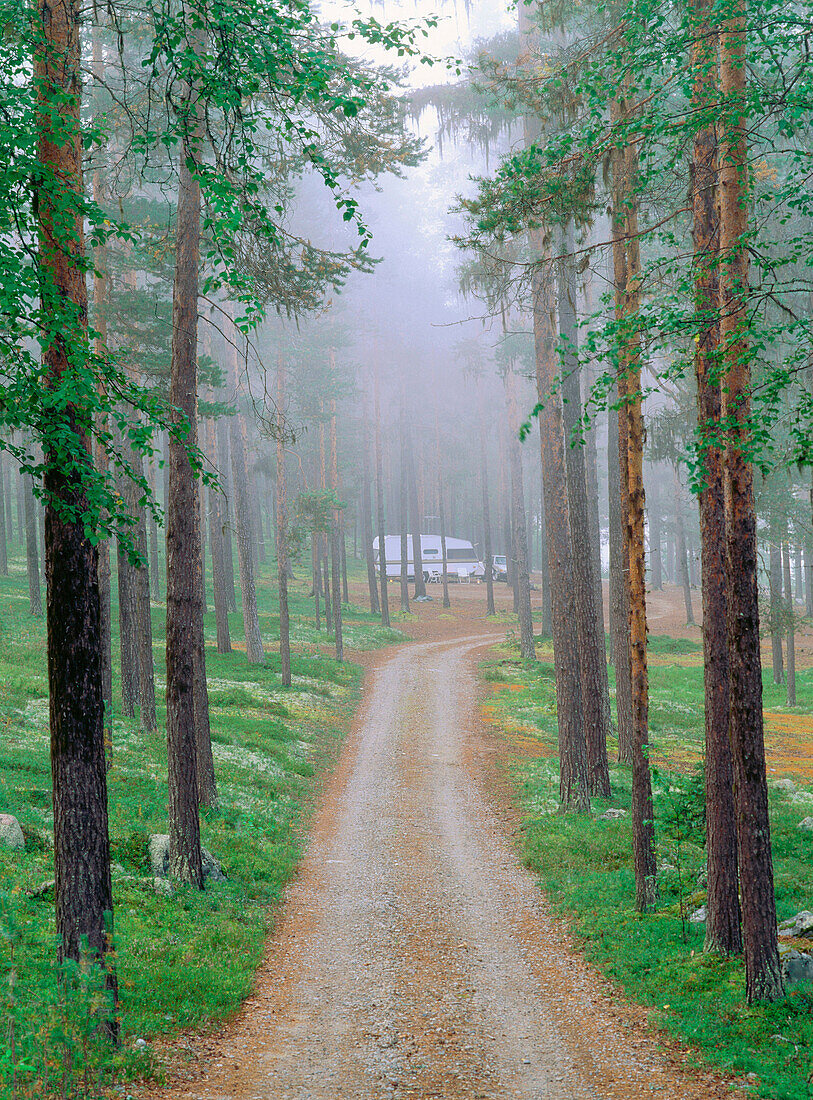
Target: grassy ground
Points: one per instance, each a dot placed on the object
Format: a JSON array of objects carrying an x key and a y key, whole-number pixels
[
  {"x": 188, "y": 959},
  {"x": 584, "y": 864}
]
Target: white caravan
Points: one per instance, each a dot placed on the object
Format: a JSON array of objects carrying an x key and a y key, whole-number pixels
[{"x": 462, "y": 562}]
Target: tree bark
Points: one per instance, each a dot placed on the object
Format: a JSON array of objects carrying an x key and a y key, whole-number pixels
[
  {"x": 442, "y": 516},
  {"x": 762, "y": 970},
  {"x": 595, "y": 691},
  {"x": 335, "y": 534},
  {"x": 573, "y": 770},
  {"x": 183, "y": 528},
  {"x": 223, "y": 465},
  {"x": 791, "y": 627},
  {"x": 417, "y": 557},
  {"x": 379, "y": 495},
  {"x": 32, "y": 554},
  {"x": 83, "y": 892},
  {"x": 775, "y": 586},
  {"x": 216, "y": 525},
  {"x": 723, "y": 927},
  {"x": 282, "y": 533},
  {"x": 627, "y": 269},
  {"x": 489, "y": 554},
  {"x": 655, "y": 538},
  {"x": 527, "y": 646},
  {"x": 366, "y": 507},
  {"x": 547, "y": 628},
  {"x": 3, "y": 528},
  {"x": 242, "y": 517},
  {"x": 402, "y": 486},
  {"x": 682, "y": 556}
]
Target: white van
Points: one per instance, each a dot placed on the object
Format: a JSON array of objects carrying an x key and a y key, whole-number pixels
[{"x": 462, "y": 562}]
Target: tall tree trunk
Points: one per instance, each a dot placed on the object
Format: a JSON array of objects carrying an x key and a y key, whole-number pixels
[
  {"x": 242, "y": 517},
  {"x": 32, "y": 554},
  {"x": 489, "y": 554},
  {"x": 442, "y": 516},
  {"x": 682, "y": 555},
  {"x": 3, "y": 528},
  {"x": 417, "y": 557},
  {"x": 6, "y": 470},
  {"x": 152, "y": 526},
  {"x": 83, "y": 893},
  {"x": 226, "y": 510},
  {"x": 335, "y": 534},
  {"x": 367, "y": 507},
  {"x": 402, "y": 486},
  {"x": 791, "y": 626},
  {"x": 775, "y": 586},
  {"x": 798, "y": 583},
  {"x": 183, "y": 526},
  {"x": 631, "y": 438},
  {"x": 655, "y": 539},
  {"x": 527, "y": 646},
  {"x": 216, "y": 525},
  {"x": 762, "y": 970},
  {"x": 547, "y": 628},
  {"x": 146, "y": 667},
  {"x": 324, "y": 540},
  {"x": 282, "y": 533},
  {"x": 128, "y": 630},
  {"x": 573, "y": 778},
  {"x": 207, "y": 785},
  {"x": 379, "y": 496},
  {"x": 723, "y": 927},
  {"x": 595, "y": 691},
  {"x": 809, "y": 575}
]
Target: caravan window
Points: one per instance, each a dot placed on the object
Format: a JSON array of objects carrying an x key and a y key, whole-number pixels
[{"x": 463, "y": 554}]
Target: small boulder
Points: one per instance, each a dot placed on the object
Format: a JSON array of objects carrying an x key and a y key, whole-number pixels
[
  {"x": 800, "y": 925},
  {"x": 786, "y": 785},
  {"x": 162, "y": 887},
  {"x": 801, "y": 797},
  {"x": 159, "y": 860},
  {"x": 702, "y": 879},
  {"x": 698, "y": 916},
  {"x": 159, "y": 854},
  {"x": 10, "y": 832},
  {"x": 797, "y": 967},
  {"x": 807, "y": 824},
  {"x": 610, "y": 815}
]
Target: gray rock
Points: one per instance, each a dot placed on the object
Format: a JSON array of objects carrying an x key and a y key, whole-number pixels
[
  {"x": 159, "y": 859},
  {"x": 609, "y": 815},
  {"x": 162, "y": 887},
  {"x": 806, "y": 824},
  {"x": 801, "y": 797},
  {"x": 159, "y": 854},
  {"x": 702, "y": 879},
  {"x": 800, "y": 925},
  {"x": 786, "y": 785},
  {"x": 698, "y": 916},
  {"x": 10, "y": 832},
  {"x": 797, "y": 967}
]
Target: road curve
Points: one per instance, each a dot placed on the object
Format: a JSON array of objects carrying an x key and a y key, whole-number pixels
[{"x": 415, "y": 957}]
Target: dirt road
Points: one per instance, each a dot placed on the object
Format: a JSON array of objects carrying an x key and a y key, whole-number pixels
[{"x": 415, "y": 957}]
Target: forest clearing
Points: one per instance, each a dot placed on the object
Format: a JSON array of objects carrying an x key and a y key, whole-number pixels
[{"x": 406, "y": 549}]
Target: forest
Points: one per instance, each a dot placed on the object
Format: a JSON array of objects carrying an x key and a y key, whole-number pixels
[{"x": 406, "y": 549}]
